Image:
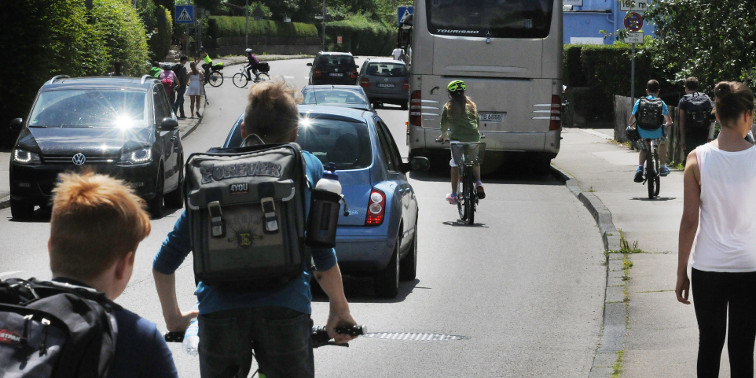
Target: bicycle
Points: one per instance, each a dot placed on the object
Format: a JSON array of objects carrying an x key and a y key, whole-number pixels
[
  {"x": 214, "y": 77},
  {"x": 319, "y": 338},
  {"x": 651, "y": 172},
  {"x": 241, "y": 79},
  {"x": 467, "y": 155}
]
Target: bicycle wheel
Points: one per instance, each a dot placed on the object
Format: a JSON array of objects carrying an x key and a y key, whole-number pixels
[
  {"x": 652, "y": 176},
  {"x": 461, "y": 197},
  {"x": 240, "y": 80},
  {"x": 263, "y": 76},
  {"x": 657, "y": 178},
  {"x": 215, "y": 79},
  {"x": 470, "y": 197}
]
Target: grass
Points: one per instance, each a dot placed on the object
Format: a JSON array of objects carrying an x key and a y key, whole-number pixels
[{"x": 617, "y": 367}]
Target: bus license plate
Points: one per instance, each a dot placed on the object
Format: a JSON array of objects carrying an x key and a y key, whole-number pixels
[
  {"x": 491, "y": 117},
  {"x": 385, "y": 85},
  {"x": 336, "y": 74}
]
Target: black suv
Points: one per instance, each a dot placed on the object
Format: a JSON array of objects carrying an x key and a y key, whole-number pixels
[
  {"x": 122, "y": 126},
  {"x": 333, "y": 68}
]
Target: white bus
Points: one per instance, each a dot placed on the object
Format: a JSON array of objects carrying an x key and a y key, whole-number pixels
[{"x": 509, "y": 53}]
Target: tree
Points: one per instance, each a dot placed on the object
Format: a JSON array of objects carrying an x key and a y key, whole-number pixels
[{"x": 712, "y": 40}]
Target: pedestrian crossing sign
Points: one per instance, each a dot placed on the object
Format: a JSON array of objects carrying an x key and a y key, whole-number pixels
[{"x": 184, "y": 14}]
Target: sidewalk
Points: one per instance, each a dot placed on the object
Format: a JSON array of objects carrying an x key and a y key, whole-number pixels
[{"x": 661, "y": 338}]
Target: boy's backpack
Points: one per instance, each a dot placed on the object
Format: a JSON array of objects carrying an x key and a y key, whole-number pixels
[
  {"x": 649, "y": 115},
  {"x": 246, "y": 211},
  {"x": 51, "y": 329},
  {"x": 698, "y": 112}
]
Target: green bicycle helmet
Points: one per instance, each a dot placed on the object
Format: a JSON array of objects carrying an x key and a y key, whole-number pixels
[{"x": 456, "y": 86}]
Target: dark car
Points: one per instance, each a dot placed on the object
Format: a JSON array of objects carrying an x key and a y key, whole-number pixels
[
  {"x": 122, "y": 126},
  {"x": 385, "y": 80},
  {"x": 350, "y": 96},
  {"x": 378, "y": 238},
  {"x": 330, "y": 67}
]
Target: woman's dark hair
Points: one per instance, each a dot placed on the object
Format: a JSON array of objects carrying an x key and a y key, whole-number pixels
[{"x": 732, "y": 99}]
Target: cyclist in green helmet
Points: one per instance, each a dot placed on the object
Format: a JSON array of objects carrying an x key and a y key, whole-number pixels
[{"x": 459, "y": 123}]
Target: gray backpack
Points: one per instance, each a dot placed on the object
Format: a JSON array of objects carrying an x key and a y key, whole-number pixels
[{"x": 246, "y": 211}]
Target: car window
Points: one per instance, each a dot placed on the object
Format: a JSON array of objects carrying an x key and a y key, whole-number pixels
[
  {"x": 388, "y": 147},
  {"x": 162, "y": 108},
  {"x": 335, "y": 61},
  {"x": 345, "y": 143},
  {"x": 387, "y": 69},
  {"x": 333, "y": 96},
  {"x": 89, "y": 108}
]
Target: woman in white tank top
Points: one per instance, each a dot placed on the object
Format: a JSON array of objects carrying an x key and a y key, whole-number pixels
[{"x": 718, "y": 226}]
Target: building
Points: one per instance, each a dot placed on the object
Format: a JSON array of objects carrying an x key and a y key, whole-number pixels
[{"x": 584, "y": 19}]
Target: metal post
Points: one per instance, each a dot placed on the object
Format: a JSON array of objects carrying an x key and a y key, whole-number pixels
[
  {"x": 324, "y": 22},
  {"x": 246, "y": 23},
  {"x": 632, "y": 73}
]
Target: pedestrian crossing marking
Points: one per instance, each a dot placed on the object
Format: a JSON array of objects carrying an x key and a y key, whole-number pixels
[{"x": 184, "y": 16}]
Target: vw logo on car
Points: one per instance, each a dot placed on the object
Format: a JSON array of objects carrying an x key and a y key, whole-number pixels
[{"x": 79, "y": 159}]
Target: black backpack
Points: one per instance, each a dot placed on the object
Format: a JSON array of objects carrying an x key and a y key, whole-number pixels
[
  {"x": 246, "y": 212},
  {"x": 649, "y": 116},
  {"x": 698, "y": 111},
  {"x": 52, "y": 329}
]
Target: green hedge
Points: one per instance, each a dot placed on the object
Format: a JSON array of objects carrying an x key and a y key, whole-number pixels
[
  {"x": 361, "y": 36},
  {"x": 231, "y": 26}
]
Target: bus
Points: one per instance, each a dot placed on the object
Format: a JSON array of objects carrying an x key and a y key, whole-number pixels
[{"x": 509, "y": 53}]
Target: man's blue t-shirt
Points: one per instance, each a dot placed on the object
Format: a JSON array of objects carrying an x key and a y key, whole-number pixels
[{"x": 295, "y": 295}]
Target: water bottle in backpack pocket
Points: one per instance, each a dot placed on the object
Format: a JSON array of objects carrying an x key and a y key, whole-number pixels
[{"x": 324, "y": 210}]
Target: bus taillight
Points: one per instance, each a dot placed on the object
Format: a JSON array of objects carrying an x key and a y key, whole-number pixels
[
  {"x": 415, "y": 112},
  {"x": 556, "y": 113}
]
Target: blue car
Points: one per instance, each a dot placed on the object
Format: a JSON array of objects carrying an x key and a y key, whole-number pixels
[{"x": 379, "y": 236}]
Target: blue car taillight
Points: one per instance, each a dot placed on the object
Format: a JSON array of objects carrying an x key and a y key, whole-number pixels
[{"x": 376, "y": 208}]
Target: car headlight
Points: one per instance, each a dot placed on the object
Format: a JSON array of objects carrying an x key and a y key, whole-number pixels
[
  {"x": 21, "y": 156},
  {"x": 138, "y": 156}
]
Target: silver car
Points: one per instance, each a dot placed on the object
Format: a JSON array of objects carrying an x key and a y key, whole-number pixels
[{"x": 385, "y": 80}]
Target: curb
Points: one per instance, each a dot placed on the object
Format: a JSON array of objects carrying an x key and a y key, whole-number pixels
[{"x": 615, "y": 311}]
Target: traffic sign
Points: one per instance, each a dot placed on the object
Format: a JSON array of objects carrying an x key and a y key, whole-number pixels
[
  {"x": 634, "y": 5},
  {"x": 634, "y": 37},
  {"x": 633, "y": 21},
  {"x": 184, "y": 14},
  {"x": 402, "y": 12}
]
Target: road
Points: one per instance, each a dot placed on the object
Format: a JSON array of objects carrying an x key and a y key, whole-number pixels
[{"x": 518, "y": 294}]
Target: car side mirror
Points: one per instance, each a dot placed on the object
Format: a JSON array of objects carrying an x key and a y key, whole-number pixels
[
  {"x": 417, "y": 163},
  {"x": 309, "y": 64},
  {"x": 16, "y": 124},
  {"x": 168, "y": 123}
]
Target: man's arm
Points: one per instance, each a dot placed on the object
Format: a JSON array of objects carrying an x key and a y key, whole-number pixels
[
  {"x": 175, "y": 320},
  {"x": 339, "y": 314}
]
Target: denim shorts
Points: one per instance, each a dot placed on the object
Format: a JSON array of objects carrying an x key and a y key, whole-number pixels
[{"x": 280, "y": 338}]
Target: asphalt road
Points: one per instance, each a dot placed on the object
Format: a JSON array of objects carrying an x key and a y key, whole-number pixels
[{"x": 518, "y": 294}]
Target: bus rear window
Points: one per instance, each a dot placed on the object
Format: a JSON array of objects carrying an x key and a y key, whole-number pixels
[{"x": 490, "y": 18}]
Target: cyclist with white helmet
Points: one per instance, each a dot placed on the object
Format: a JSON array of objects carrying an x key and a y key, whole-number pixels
[{"x": 459, "y": 123}]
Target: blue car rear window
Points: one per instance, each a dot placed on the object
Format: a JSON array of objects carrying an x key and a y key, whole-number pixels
[{"x": 345, "y": 143}]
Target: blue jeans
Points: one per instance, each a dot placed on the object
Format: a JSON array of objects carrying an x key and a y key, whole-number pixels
[{"x": 280, "y": 337}]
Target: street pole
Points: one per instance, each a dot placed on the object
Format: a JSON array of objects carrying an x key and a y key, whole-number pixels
[
  {"x": 324, "y": 22},
  {"x": 632, "y": 73},
  {"x": 246, "y": 23}
]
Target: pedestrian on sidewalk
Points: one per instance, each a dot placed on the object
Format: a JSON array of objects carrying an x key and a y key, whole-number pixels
[
  {"x": 183, "y": 78},
  {"x": 652, "y": 117},
  {"x": 719, "y": 226},
  {"x": 195, "y": 88},
  {"x": 696, "y": 126}
]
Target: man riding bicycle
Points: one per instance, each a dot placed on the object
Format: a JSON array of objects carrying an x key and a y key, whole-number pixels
[
  {"x": 252, "y": 65},
  {"x": 648, "y": 114}
]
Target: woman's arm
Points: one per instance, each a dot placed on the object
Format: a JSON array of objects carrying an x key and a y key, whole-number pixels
[{"x": 688, "y": 225}]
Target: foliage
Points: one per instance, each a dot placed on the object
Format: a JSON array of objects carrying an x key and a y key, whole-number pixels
[
  {"x": 124, "y": 36},
  {"x": 712, "y": 40},
  {"x": 233, "y": 26},
  {"x": 361, "y": 35}
]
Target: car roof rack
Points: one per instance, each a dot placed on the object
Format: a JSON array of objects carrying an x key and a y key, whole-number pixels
[
  {"x": 56, "y": 77},
  {"x": 146, "y": 77}
]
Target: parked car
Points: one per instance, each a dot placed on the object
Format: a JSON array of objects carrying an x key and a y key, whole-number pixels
[
  {"x": 122, "y": 126},
  {"x": 378, "y": 237},
  {"x": 350, "y": 96},
  {"x": 385, "y": 80},
  {"x": 331, "y": 67}
]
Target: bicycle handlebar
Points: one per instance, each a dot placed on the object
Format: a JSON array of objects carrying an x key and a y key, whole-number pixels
[{"x": 319, "y": 335}]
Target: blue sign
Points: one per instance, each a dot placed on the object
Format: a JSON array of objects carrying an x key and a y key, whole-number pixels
[
  {"x": 403, "y": 12},
  {"x": 184, "y": 14}
]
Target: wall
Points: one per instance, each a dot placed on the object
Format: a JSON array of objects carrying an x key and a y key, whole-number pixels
[{"x": 588, "y": 20}]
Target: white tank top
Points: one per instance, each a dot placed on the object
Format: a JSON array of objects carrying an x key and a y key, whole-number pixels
[{"x": 726, "y": 236}]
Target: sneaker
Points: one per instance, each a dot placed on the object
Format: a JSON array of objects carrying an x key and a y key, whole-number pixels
[
  {"x": 452, "y": 198},
  {"x": 182, "y": 117},
  {"x": 663, "y": 170},
  {"x": 638, "y": 175},
  {"x": 480, "y": 191}
]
